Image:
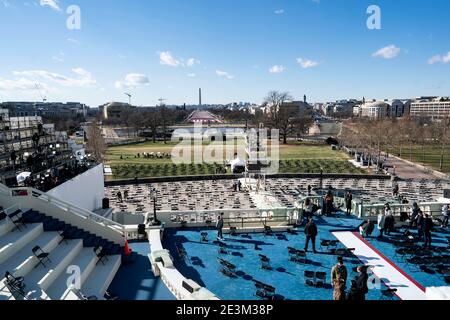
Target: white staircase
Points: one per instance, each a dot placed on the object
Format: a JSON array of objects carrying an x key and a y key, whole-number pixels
[{"x": 51, "y": 282}]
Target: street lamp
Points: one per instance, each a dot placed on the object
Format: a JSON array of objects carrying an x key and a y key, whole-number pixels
[{"x": 154, "y": 196}]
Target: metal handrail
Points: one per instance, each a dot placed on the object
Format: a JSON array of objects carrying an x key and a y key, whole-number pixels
[{"x": 73, "y": 209}]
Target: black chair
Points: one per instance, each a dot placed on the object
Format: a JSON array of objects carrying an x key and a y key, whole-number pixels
[
  {"x": 228, "y": 269},
  {"x": 222, "y": 247},
  {"x": 321, "y": 279},
  {"x": 204, "y": 237},
  {"x": 264, "y": 291},
  {"x": 17, "y": 219},
  {"x": 181, "y": 252},
  {"x": 42, "y": 256},
  {"x": 388, "y": 294},
  {"x": 265, "y": 262},
  {"x": 310, "y": 278},
  {"x": 268, "y": 231},
  {"x": 142, "y": 233},
  {"x": 15, "y": 284},
  {"x": 101, "y": 254},
  {"x": 324, "y": 244}
]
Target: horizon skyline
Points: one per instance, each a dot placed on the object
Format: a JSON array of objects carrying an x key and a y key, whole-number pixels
[{"x": 170, "y": 50}]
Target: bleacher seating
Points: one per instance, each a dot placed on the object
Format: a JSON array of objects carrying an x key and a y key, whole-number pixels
[{"x": 40, "y": 255}]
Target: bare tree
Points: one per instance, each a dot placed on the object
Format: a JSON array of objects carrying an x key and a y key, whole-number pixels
[{"x": 95, "y": 142}]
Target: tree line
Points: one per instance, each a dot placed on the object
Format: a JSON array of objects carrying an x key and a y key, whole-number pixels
[{"x": 403, "y": 135}]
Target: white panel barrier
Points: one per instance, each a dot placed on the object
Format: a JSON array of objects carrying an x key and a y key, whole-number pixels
[{"x": 162, "y": 266}]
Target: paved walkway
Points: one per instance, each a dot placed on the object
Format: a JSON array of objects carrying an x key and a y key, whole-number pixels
[
  {"x": 392, "y": 276},
  {"x": 405, "y": 170}
]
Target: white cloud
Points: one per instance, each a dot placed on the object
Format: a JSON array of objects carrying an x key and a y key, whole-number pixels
[
  {"x": 58, "y": 59},
  {"x": 133, "y": 80},
  {"x": 165, "y": 58},
  {"x": 72, "y": 40},
  {"x": 439, "y": 59},
  {"x": 306, "y": 63},
  {"x": 21, "y": 84},
  {"x": 389, "y": 52},
  {"x": 85, "y": 78},
  {"x": 446, "y": 58},
  {"x": 277, "y": 69},
  {"x": 122, "y": 56},
  {"x": 191, "y": 75},
  {"x": 224, "y": 74},
  {"x": 54, "y": 4},
  {"x": 192, "y": 61},
  {"x": 279, "y": 11},
  {"x": 5, "y": 3}
]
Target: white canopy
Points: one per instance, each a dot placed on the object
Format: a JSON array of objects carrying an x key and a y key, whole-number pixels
[
  {"x": 237, "y": 163},
  {"x": 22, "y": 176}
]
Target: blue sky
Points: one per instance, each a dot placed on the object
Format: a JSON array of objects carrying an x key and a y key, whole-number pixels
[{"x": 235, "y": 50}]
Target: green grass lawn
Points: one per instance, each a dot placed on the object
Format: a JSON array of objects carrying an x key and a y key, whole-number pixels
[
  {"x": 294, "y": 158},
  {"x": 430, "y": 158}
]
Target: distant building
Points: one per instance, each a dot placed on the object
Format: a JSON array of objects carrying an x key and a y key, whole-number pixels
[
  {"x": 69, "y": 110},
  {"x": 114, "y": 110},
  {"x": 433, "y": 107},
  {"x": 382, "y": 109}
]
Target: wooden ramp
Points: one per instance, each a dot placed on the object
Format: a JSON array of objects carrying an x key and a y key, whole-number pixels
[{"x": 392, "y": 276}]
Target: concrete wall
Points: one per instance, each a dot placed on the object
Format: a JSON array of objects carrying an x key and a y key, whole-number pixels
[{"x": 85, "y": 191}]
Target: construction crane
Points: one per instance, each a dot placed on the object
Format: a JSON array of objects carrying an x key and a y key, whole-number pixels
[
  {"x": 161, "y": 102},
  {"x": 44, "y": 99},
  {"x": 129, "y": 97}
]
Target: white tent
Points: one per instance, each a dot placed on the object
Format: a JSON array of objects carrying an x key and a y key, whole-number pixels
[
  {"x": 22, "y": 177},
  {"x": 237, "y": 163}
]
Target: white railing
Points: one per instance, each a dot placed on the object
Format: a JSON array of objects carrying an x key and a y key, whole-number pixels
[
  {"x": 372, "y": 210},
  {"x": 236, "y": 217},
  {"x": 73, "y": 209}
]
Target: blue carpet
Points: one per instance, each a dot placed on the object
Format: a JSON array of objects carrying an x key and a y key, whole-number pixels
[
  {"x": 135, "y": 281},
  {"x": 202, "y": 266},
  {"x": 387, "y": 247}
]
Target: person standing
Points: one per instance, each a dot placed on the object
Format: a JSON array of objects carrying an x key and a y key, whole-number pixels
[
  {"x": 427, "y": 228},
  {"x": 348, "y": 202},
  {"x": 415, "y": 210},
  {"x": 381, "y": 223},
  {"x": 311, "y": 234},
  {"x": 420, "y": 225},
  {"x": 395, "y": 189},
  {"x": 389, "y": 220},
  {"x": 339, "y": 279},
  {"x": 445, "y": 214},
  {"x": 329, "y": 199},
  {"x": 219, "y": 227},
  {"x": 361, "y": 283}
]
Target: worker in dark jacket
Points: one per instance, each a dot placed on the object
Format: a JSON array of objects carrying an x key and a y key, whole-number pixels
[
  {"x": 348, "y": 202},
  {"x": 311, "y": 234},
  {"x": 219, "y": 227},
  {"x": 361, "y": 283},
  {"x": 427, "y": 228}
]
